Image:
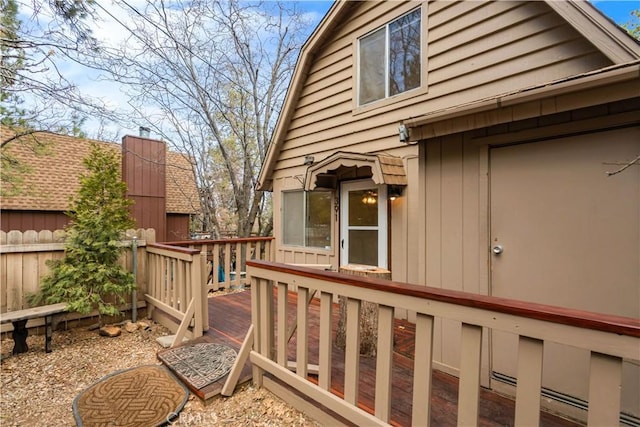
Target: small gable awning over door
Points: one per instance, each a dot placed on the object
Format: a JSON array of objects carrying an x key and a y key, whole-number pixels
[{"x": 381, "y": 168}]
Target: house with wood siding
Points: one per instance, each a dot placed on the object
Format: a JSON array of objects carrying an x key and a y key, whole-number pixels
[
  {"x": 160, "y": 182},
  {"x": 490, "y": 147}
]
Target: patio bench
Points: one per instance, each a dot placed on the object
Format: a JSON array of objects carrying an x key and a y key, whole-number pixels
[{"x": 19, "y": 320}]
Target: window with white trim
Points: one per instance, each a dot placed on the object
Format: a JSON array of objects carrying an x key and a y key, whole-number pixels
[
  {"x": 306, "y": 218},
  {"x": 390, "y": 59}
]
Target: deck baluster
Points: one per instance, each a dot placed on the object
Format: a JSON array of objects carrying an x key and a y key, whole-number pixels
[
  {"x": 469, "y": 392},
  {"x": 423, "y": 360},
  {"x": 352, "y": 352},
  {"x": 283, "y": 292},
  {"x": 302, "y": 338},
  {"x": 530, "y": 353},
  {"x": 326, "y": 342},
  {"x": 605, "y": 383},
  {"x": 384, "y": 363}
]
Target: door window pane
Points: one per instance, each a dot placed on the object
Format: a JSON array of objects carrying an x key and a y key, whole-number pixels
[
  {"x": 363, "y": 247},
  {"x": 363, "y": 208}
]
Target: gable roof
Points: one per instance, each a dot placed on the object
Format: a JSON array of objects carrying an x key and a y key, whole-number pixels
[
  {"x": 54, "y": 170},
  {"x": 612, "y": 41}
]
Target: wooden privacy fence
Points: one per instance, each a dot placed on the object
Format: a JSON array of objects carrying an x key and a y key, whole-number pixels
[
  {"x": 181, "y": 274},
  {"x": 24, "y": 256},
  {"x": 608, "y": 339}
]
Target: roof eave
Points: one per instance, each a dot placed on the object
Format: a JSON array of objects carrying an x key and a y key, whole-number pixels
[
  {"x": 600, "y": 78},
  {"x": 608, "y": 37}
]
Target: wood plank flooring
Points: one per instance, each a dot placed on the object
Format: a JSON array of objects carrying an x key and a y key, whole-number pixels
[{"x": 230, "y": 317}]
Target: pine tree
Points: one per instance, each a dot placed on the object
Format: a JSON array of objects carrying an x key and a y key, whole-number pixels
[{"x": 89, "y": 276}]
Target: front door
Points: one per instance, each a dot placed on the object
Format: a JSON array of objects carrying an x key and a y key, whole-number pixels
[
  {"x": 363, "y": 224},
  {"x": 565, "y": 233}
]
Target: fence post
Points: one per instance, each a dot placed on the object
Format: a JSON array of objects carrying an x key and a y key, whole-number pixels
[
  {"x": 134, "y": 267},
  {"x": 204, "y": 289},
  {"x": 197, "y": 294}
]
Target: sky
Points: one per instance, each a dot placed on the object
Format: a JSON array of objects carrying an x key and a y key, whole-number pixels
[{"x": 618, "y": 10}]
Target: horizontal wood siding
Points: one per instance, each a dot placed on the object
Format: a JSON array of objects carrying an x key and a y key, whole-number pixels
[{"x": 474, "y": 50}]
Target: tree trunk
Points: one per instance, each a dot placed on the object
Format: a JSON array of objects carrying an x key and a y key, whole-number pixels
[{"x": 368, "y": 329}]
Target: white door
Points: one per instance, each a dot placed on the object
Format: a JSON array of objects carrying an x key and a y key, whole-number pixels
[
  {"x": 569, "y": 236},
  {"x": 363, "y": 224}
]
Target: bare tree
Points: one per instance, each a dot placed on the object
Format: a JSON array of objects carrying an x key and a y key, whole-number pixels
[
  {"x": 210, "y": 78},
  {"x": 35, "y": 93}
]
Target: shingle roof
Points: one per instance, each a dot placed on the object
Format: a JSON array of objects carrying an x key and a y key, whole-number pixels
[{"x": 53, "y": 174}]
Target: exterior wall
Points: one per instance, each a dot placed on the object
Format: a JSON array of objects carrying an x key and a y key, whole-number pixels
[
  {"x": 402, "y": 244},
  {"x": 32, "y": 220},
  {"x": 454, "y": 238},
  {"x": 474, "y": 50},
  {"x": 177, "y": 227},
  {"x": 144, "y": 171}
]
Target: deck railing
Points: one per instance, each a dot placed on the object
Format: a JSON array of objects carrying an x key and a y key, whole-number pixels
[
  {"x": 225, "y": 266},
  {"x": 609, "y": 339},
  {"x": 175, "y": 288},
  {"x": 181, "y": 274}
]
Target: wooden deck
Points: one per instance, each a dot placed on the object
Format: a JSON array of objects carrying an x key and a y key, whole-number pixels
[{"x": 230, "y": 318}]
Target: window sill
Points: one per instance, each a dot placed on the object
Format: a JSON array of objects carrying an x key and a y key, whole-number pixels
[{"x": 402, "y": 98}]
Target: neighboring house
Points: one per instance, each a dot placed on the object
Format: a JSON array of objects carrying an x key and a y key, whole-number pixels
[
  {"x": 465, "y": 145},
  {"x": 160, "y": 182}
]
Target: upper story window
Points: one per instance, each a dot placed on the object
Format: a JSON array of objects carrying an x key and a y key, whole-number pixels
[{"x": 389, "y": 59}]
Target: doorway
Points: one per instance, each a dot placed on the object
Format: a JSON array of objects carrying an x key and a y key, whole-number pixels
[{"x": 363, "y": 224}]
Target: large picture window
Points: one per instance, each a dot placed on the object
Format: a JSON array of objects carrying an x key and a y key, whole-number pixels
[
  {"x": 389, "y": 59},
  {"x": 306, "y": 218}
]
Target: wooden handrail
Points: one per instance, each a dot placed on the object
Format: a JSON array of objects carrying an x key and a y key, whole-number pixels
[
  {"x": 219, "y": 241},
  {"x": 572, "y": 317},
  {"x": 171, "y": 247}
]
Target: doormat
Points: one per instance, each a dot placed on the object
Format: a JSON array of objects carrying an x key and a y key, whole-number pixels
[
  {"x": 141, "y": 396},
  {"x": 199, "y": 364}
]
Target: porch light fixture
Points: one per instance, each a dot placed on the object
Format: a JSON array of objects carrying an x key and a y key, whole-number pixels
[
  {"x": 308, "y": 160},
  {"x": 403, "y": 133},
  {"x": 394, "y": 191},
  {"x": 370, "y": 198}
]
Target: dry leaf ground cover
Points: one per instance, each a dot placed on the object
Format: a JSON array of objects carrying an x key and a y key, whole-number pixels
[{"x": 37, "y": 389}]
